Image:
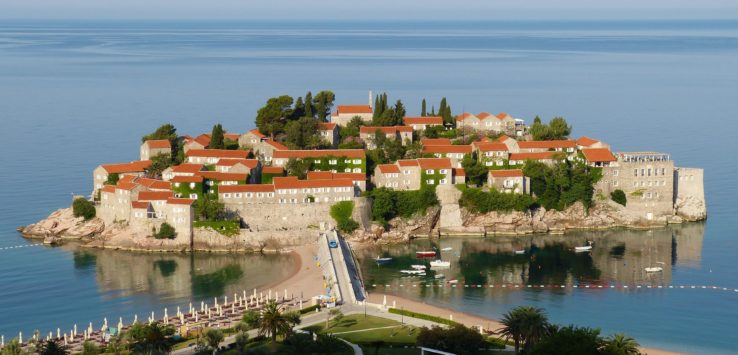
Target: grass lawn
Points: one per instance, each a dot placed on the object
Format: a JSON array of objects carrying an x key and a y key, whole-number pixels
[
  {"x": 370, "y": 350},
  {"x": 399, "y": 335},
  {"x": 353, "y": 322}
]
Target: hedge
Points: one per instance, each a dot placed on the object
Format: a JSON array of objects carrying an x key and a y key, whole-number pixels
[
  {"x": 341, "y": 213},
  {"x": 423, "y": 316},
  {"x": 309, "y": 309},
  {"x": 477, "y": 200}
]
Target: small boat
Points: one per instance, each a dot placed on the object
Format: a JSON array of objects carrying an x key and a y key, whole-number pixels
[
  {"x": 418, "y": 267},
  {"x": 439, "y": 276},
  {"x": 519, "y": 252},
  {"x": 447, "y": 249},
  {"x": 654, "y": 269},
  {"x": 413, "y": 272},
  {"x": 425, "y": 254},
  {"x": 583, "y": 249},
  {"x": 454, "y": 281},
  {"x": 440, "y": 263},
  {"x": 379, "y": 260}
]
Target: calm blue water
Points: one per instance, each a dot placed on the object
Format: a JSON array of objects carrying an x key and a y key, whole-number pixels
[{"x": 76, "y": 94}]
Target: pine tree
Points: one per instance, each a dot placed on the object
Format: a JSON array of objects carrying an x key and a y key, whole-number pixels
[
  {"x": 398, "y": 113},
  {"x": 216, "y": 138},
  {"x": 323, "y": 102},
  {"x": 422, "y": 109},
  {"x": 309, "y": 112},
  {"x": 299, "y": 110}
]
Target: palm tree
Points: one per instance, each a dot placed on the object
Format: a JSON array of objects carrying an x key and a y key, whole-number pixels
[
  {"x": 534, "y": 325},
  {"x": 150, "y": 339},
  {"x": 51, "y": 347},
  {"x": 117, "y": 344},
  {"x": 12, "y": 348},
  {"x": 273, "y": 322},
  {"x": 620, "y": 344},
  {"x": 242, "y": 341},
  {"x": 512, "y": 327}
]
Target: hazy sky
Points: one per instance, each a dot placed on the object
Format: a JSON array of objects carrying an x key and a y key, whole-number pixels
[{"x": 371, "y": 9}]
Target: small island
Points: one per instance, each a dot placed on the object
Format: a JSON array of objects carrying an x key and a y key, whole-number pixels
[{"x": 375, "y": 174}]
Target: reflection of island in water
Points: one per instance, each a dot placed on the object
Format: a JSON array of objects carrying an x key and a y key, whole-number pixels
[
  {"x": 617, "y": 257},
  {"x": 180, "y": 276}
]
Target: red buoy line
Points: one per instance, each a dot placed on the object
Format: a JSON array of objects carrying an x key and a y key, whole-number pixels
[
  {"x": 21, "y": 246},
  {"x": 513, "y": 286}
]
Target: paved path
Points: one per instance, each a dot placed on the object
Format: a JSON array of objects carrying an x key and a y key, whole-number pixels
[{"x": 357, "y": 349}]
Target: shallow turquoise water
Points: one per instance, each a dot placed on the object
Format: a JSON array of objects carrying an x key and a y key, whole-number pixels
[{"x": 75, "y": 94}]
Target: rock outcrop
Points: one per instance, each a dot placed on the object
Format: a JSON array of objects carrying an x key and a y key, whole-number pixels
[
  {"x": 690, "y": 208},
  {"x": 61, "y": 224}
]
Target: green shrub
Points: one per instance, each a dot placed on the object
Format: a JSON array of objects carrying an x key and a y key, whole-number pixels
[
  {"x": 81, "y": 207},
  {"x": 457, "y": 339},
  {"x": 619, "y": 197},
  {"x": 477, "y": 200},
  {"x": 309, "y": 309},
  {"x": 341, "y": 213},
  {"x": 166, "y": 231},
  {"x": 389, "y": 203},
  {"x": 427, "y": 317},
  {"x": 112, "y": 179},
  {"x": 561, "y": 185}
]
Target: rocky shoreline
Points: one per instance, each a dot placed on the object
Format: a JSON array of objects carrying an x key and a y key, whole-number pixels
[{"x": 444, "y": 220}]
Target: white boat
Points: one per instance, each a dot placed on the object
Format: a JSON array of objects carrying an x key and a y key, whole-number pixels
[
  {"x": 654, "y": 269},
  {"x": 440, "y": 263},
  {"x": 454, "y": 281},
  {"x": 583, "y": 249},
  {"x": 439, "y": 276},
  {"x": 519, "y": 252},
  {"x": 418, "y": 267},
  {"x": 413, "y": 272},
  {"x": 379, "y": 260},
  {"x": 447, "y": 249}
]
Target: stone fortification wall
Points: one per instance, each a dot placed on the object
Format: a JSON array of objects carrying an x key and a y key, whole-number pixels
[
  {"x": 362, "y": 212},
  {"x": 689, "y": 193},
  {"x": 282, "y": 217}
]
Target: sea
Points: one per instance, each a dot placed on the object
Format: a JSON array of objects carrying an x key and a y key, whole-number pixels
[{"x": 74, "y": 94}]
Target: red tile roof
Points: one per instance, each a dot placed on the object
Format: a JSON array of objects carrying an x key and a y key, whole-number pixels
[
  {"x": 180, "y": 178},
  {"x": 451, "y": 148},
  {"x": 533, "y": 156},
  {"x": 388, "y": 168},
  {"x": 231, "y": 136},
  {"x": 435, "y": 163},
  {"x": 348, "y": 153},
  {"x": 257, "y": 133},
  {"x": 459, "y": 172},
  {"x": 180, "y": 201},
  {"x": 547, "y": 144},
  {"x": 502, "y": 116},
  {"x": 385, "y": 129},
  {"x": 276, "y": 145},
  {"x": 586, "y": 141},
  {"x": 483, "y": 115},
  {"x": 154, "y": 184},
  {"x": 203, "y": 139},
  {"x": 464, "y": 116},
  {"x": 408, "y": 162},
  {"x": 503, "y": 138},
  {"x": 128, "y": 178},
  {"x": 132, "y": 167},
  {"x": 272, "y": 170},
  {"x": 325, "y": 126},
  {"x": 187, "y": 168},
  {"x": 323, "y": 175},
  {"x": 491, "y": 147},
  {"x": 246, "y": 188},
  {"x": 291, "y": 182},
  {"x": 108, "y": 188},
  {"x": 154, "y": 195},
  {"x": 249, "y": 163},
  {"x": 598, "y": 155},
  {"x": 158, "y": 144},
  {"x": 349, "y": 109},
  {"x": 140, "y": 204},
  {"x": 435, "y": 141},
  {"x": 218, "y": 153},
  {"x": 218, "y": 176},
  {"x": 427, "y": 120},
  {"x": 506, "y": 173},
  {"x": 125, "y": 185}
]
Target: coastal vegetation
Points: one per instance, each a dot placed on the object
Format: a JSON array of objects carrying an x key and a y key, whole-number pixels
[
  {"x": 556, "y": 128},
  {"x": 562, "y": 184},
  {"x": 166, "y": 231},
  {"x": 341, "y": 213},
  {"x": 390, "y": 203},
  {"x": 528, "y": 327},
  {"x": 619, "y": 197},
  {"x": 296, "y": 121},
  {"x": 479, "y": 201},
  {"x": 82, "y": 207},
  {"x": 457, "y": 339},
  {"x": 427, "y": 317}
]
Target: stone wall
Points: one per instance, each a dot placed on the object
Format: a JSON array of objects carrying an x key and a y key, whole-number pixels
[
  {"x": 689, "y": 194},
  {"x": 282, "y": 217}
]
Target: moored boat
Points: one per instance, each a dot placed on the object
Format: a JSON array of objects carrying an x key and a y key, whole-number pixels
[
  {"x": 379, "y": 260},
  {"x": 418, "y": 267},
  {"x": 654, "y": 269},
  {"x": 440, "y": 263},
  {"x": 425, "y": 254},
  {"x": 447, "y": 249},
  {"x": 413, "y": 272}
]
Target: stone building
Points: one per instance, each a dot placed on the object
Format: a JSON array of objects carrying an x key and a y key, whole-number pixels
[
  {"x": 251, "y": 139},
  {"x": 101, "y": 172},
  {"x": 359, "y": 179},
  {"x": 335, "y": 160},
  {"x": 344, "y": 113},
  {"x": 509, "y": 180},
  {"x": 435, "y": 141},
  {"x": 200, "y": 142},
  {"x": 492, "y": 154},
  {"x": 212, "y": 156},
  {"x": 184, "y": 169},
  {"x": 329, "y": 133},
  {"x": 565, "y": 146},
  {"x": 289, "y": 190},
  {"x": 647, "y": 178},
  {"x": 368, "y": 134},
  {"x": 485, "y": 121},
  {"x": 412, "y": 174},
  {"x": 152, "y": 148},
  {"x": 419, "y": 123},
  {"x": 452, "y": 151}
]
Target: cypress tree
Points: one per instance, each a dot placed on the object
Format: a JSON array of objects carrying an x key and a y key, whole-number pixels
[
  {"x": 422, "y": 109},
  {"x": 216, "y": 138},
  {"x": 433, "y": 110},
  {"x": 309, "y": 112},
  {"x": 299, "y": 110}
]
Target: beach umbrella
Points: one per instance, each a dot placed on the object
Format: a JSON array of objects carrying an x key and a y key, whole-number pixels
[
  {"x": 285, "y": 294},
  {"x": 254, "y": 292},
  {"x": 2, "y": 341},
  {"x": 384, "y": 301},
  {"x": 58, "y": 333},
  {"x": 195, "y": 317},
  {"x": 120, "y": 324},
  {"x": 233, "y": 307},
  {"x": 74, "y": 335},
  {"x": 89, "y": 328},
  {"x": 300, "y": 303},
  {"x": 202, "y": 306},
  {"x": 190, "y": 308},
  {"x": 20, "y": 337},
  {"x": 135, "y": 318},
  {"x": 215, "y": 300},
  {"x": 394, "y": 304},
  {"x": 177, "y": 311},
  {"x": 65, "y": 339},
  {"x": 166, "y": 315}
]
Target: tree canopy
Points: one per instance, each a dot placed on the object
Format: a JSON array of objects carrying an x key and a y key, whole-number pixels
[
  {"x": 216, "y": 137},
  {"x": 561, "y": 185},
  {"x": 557, "y": 128},
  {"x": 165, "y": 131},
  {"x": 323, "y": 102},
  {"x": 272, "y": 118}
]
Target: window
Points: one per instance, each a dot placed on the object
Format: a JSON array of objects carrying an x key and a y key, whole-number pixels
[
  {"x": 227, "y": 195},
  {"x": 333, "y": 162},
  {"x": 347, "y": 161},
  {"x": 442, "y": 171},
  {"x": 357, "y": 161},
  {"x": 430, "y": 171},
  {"x": 615, "y": 172},
  {"x": 192, "y": 185},
  {"x": 663, "y": 170},
  {"x": 238, "y": 195},
  {"x": 635, "y": 172},
  {"x": 614, "y": 183},
  {"x": 193, "y": 196},
  {"x": 442, "y": 182},
  {"x": 176, "y": 184},
  {"x": 347, "y": 170},
  {"x": 317, "y": 161},
  {"x": 430, "y": 181},
  {"x": 643, "y": 172},
  {"x": 357, "y": 170},
  {"x": 649, "y": 171},
  {"x": 488, "y": 163},
  {"x": 499, "y": 163}
]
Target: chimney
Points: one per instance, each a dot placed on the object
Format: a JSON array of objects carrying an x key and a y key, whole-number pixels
[{"x": 370, "y": 99}]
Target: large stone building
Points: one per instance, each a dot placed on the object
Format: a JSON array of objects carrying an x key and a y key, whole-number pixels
[
  {"x": 335, "y": 160},
  {"x": 485, "y": 121},
  {"x": 369, "y": 134},
  {"x": 329, "y": 133},
  {"x": 510, "y": 181},
  {"x": 452, "y": 151},
  {"x": 213, "y": 156},
  {"x": 152, "y": 148},
  {"x": 419, "y": 123},
  {"x": 289, "y": 190},
  {"x": 412, "y": 174},
  {"x": 344, "y": 113},
  {"x": 102, "y": 172}
]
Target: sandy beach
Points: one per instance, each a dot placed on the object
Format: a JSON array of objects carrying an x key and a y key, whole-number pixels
[{"x": 305, "y": 278}]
